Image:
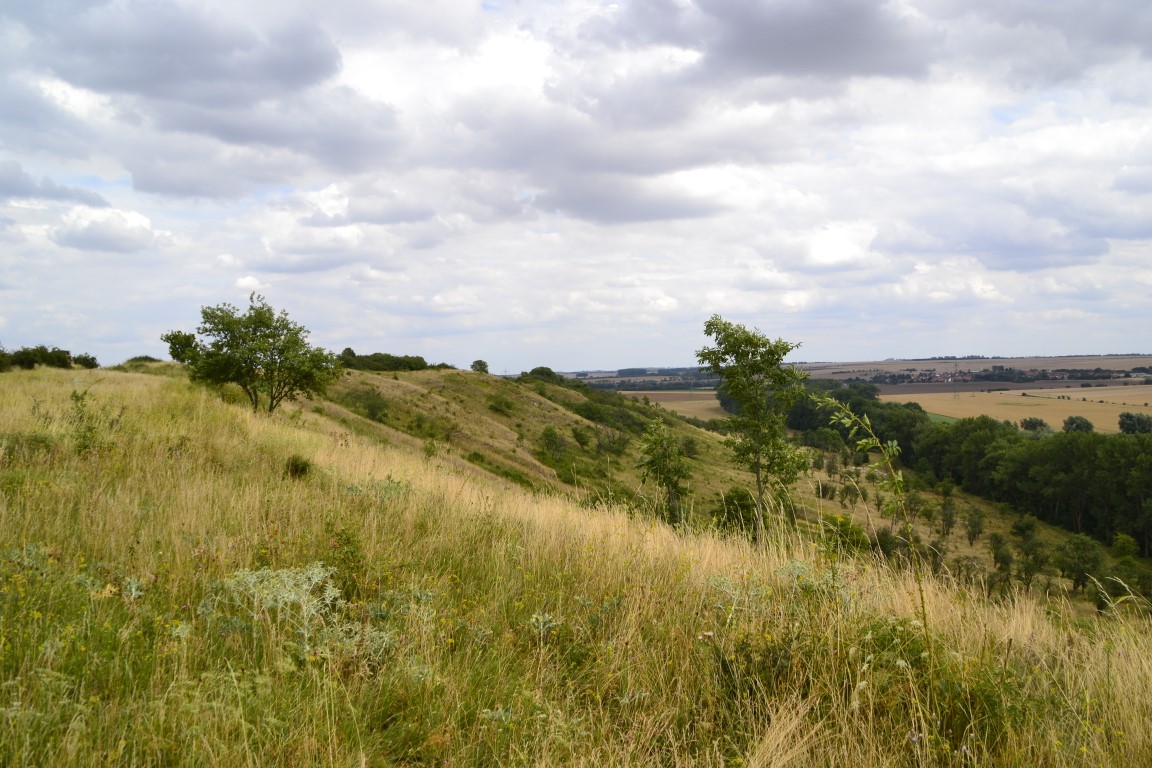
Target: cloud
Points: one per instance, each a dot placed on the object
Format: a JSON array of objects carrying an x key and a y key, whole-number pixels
[
  {"x": 815, "y": 38},
  {"x": 824, "y": 38},
  {"x": 111, "y": 230},
  {"x": 179, "y": 52},
  {"x": 315, "y": 124},
  {"x": 250, "y": 283},
  {"x": 619, "y": 199},
  {"x": 15, "y": 182},
  {"x": 452, "y": 178}
]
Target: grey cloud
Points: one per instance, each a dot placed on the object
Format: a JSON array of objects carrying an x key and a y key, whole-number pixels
[
  {"x": 615, "y": 199},
  {"x": 1135, "y": 179},
  {"x": 552, "y": 144},
  {"x": 835, "y": 38},
  {"x": 825, "y": 38},
  {"x": 197, "y": 166},
  {"x": 387, "y": 210},
  {"x": 177, "y": 52},
  {"x": 1107, "y": 24},
  {"x": 18, "y": 183},
  {"x": 29, "y": 121},
  {"x": 336, "y": 126},
  {"x": 1009, "y": 238},
  {"x": 1043, "y": 43},
  {"x": 646, "y": 22}
]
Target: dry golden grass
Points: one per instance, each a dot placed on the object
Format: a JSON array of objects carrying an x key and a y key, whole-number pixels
[{"x": 1100, "y": 405}]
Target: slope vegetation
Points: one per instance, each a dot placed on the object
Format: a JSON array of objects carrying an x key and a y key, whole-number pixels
[{"x": 185, "y": 583}]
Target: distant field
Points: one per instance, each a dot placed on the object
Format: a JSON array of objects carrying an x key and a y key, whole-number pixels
[
  {"x": 821, "y": 370},
  {"x": 1012, "y": 406},
  {"x": 1100, "y": 405},
  {"x": 693, "y": 403}
]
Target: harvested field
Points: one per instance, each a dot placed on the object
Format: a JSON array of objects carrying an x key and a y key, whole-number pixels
[
  {"x": 829, "y": 370},
  {"x": 697, "y": 404},
  {"x": 1100, "y": 405}
]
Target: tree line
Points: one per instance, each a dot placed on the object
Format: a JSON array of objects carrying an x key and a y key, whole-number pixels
[
  {"x": 1076, "y": 478},
  {"x": 54, "y": 357},
  {"x": 382, "y": 361}
]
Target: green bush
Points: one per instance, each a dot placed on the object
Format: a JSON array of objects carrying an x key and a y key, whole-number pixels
[
  {"x": 845, "y": 534},
  {"x": 368, "y": 402},
  {"x": 501, "y": 405},
  {"x": 734, "y": 510},
  {"x": 297, "y": 467}
]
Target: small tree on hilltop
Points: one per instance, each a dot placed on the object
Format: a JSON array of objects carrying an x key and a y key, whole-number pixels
[
  {"x": 480, "y": 366},
  {"x": 262, "y": 351},
  {"x": 754, "y": 375}
]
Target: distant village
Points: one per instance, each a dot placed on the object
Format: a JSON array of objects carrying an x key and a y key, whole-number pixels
[{"x": 1001, "y": 373}]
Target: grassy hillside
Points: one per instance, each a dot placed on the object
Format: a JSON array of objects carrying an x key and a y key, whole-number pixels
[
  {"x": 498, "y": 426},
  {"x": 185, "y": 583}
]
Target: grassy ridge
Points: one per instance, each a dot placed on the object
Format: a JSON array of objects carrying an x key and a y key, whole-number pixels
[{"x": 185, "y": 583}]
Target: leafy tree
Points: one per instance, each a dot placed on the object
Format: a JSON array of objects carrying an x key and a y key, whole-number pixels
[
  {"x": 1124, "y": 545},
  {"x": 86, "y": 361},
  {"x": 611, "y": 441},
  {"x": 5, "y": 359},
  {"x": 1034, "y": 424},
  {"x": 1033, "y": 555},
  {"x": 752, "y": 370},
  {"x": 1077, "y": 424},
  {"x": 974, "y": 524},
  {"x": 1135, "y": 423},
  {"x": 479, "y": 366},
  {"x": 262, "y": 351},
  {"x": 552, "y": 443},
  {"x": 662, "y": 459},
  {"x": 947, "y": 516},
  {"x": 1001, "y": 557},
  {"x": 1079, "y": 558},
  {"x": 30, "y": 357}
]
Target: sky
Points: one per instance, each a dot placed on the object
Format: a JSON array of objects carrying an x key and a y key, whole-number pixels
[{"x": 581, "y": 184}]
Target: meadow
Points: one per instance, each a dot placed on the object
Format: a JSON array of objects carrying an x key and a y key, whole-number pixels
[{"x": 186, "y": 583}]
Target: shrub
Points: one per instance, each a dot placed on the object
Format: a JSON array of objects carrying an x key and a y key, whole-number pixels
[
  {"x": 501, "y": 405},
  {"x": 840, "y": 531},
  {"x": 297, "y": 467},
  {"x": 368, "y": 402},
  {"x": 734, "y": 510}
]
